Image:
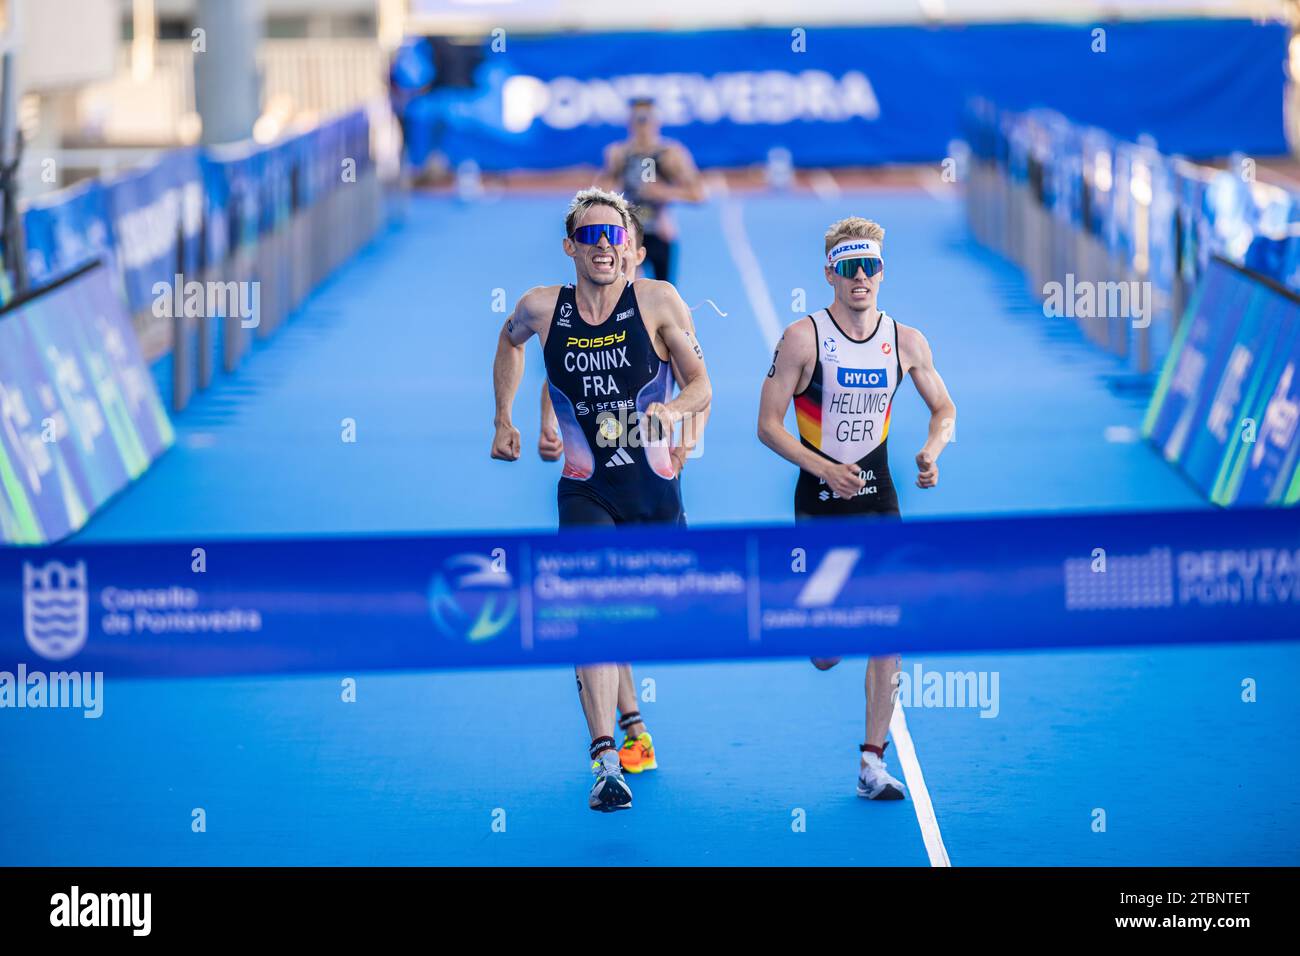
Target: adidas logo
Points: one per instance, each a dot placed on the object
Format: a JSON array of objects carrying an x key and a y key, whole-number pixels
[{"x": 620, "y": 457}]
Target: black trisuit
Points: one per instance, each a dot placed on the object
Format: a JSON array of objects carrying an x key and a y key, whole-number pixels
[{"x": 601, "y": 379}]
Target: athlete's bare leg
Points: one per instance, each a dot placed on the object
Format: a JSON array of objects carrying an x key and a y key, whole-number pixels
[
  {"x": 627, "y": 699},
  {"x": 598, "y": 693},
  {"x": 882, "y": 677}
]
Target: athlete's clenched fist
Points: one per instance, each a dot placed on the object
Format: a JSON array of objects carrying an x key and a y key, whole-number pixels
[
  {"x": 550, "y": 445},
  {"x": 845, "y": 480},
  {"x": 505, "y": 444},
  {"x": 657, "y": 423},
  {"x": 927, "y": 471}
]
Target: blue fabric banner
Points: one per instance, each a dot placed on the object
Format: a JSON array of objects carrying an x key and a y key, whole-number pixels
[
  {"x": 1255, "y": 472},
  {"x": 185, "y": 209},
  {"x": 345, "y": 605},
  {"x": 157, "y": 216},
  {"x": 1226, "y": 409},
  {"x": 79, "y": 415},
  {"x": 67, "y": 230},
  {"x": 863, "y": 95}
]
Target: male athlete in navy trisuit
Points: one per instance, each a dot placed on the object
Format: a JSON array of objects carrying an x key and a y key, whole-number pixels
[
  {"x": 842, "y": 366},
  {"x": 637, "y": 751},
  {"x": 610, "y": 347}
]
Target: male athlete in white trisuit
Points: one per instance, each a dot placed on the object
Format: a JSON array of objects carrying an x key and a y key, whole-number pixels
[{"x": 841, "y": 367}]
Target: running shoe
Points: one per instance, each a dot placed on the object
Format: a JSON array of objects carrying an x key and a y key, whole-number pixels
[
  {"x": 874, "y": 781},
  {"x": 637, "y": 753},
  {"x": 610, "y": 791}
]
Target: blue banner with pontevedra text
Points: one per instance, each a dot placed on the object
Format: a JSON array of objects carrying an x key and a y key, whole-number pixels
[
  {"x": 376, "y": 603},
  {"x": 837, "y": 96}
]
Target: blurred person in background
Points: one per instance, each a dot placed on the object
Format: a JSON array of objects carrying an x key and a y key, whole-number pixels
[
  {"x": 431, "y": 82},
  {"x": 652, "y": 172},
  {"x": 411, "y": 78}
]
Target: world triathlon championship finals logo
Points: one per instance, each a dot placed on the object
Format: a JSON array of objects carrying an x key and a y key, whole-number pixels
[
  {"x": 473, "y": 598},
  {"x": 55, "y": 609}
]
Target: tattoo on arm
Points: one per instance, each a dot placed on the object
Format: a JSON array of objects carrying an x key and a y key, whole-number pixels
[{"x": 771, "y": 372}]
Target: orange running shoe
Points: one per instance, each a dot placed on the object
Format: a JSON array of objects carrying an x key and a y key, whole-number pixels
[{"x": 637, "y": 753}]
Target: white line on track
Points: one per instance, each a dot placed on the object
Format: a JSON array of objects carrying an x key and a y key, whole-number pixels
[
  {"x": 934, "y": 847},
  {"x": 751, "y": 274}
]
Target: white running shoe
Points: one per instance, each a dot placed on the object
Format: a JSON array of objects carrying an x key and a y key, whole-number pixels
[
  {"x": 874, "y": 781},
  {"x": 610, "y": 791}
]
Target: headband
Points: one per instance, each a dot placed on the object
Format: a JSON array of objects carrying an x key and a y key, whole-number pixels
[{"x": 851, "y": 248}]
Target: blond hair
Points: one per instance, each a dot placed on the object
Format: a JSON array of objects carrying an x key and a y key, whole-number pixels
[
  {"x": 584, "y": 199},
  {"x": 854, "y": 227}
]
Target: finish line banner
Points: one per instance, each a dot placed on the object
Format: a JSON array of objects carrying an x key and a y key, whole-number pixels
[{"x": 355, "y": 604}]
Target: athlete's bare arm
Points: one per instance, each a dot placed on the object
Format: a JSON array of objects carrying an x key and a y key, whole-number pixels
[
  {"x": 523, "y": 323},
  {"x": 549, "y": 445},
  {"x": 917, "y": 359},
  {"x": 693, "y": 428},
  {"x": 791, "y": 370},
  {"x": 666, "y": 317}
]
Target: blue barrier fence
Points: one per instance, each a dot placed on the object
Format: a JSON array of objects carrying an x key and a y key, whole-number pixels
[
  {"x": 220, "y": 214},
  {"x": 355, "y": 604},
  {"x": 174, "y": 268},
  {"x": 1078, "y": 207},
  {"x": 1174, "y": 266}
]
